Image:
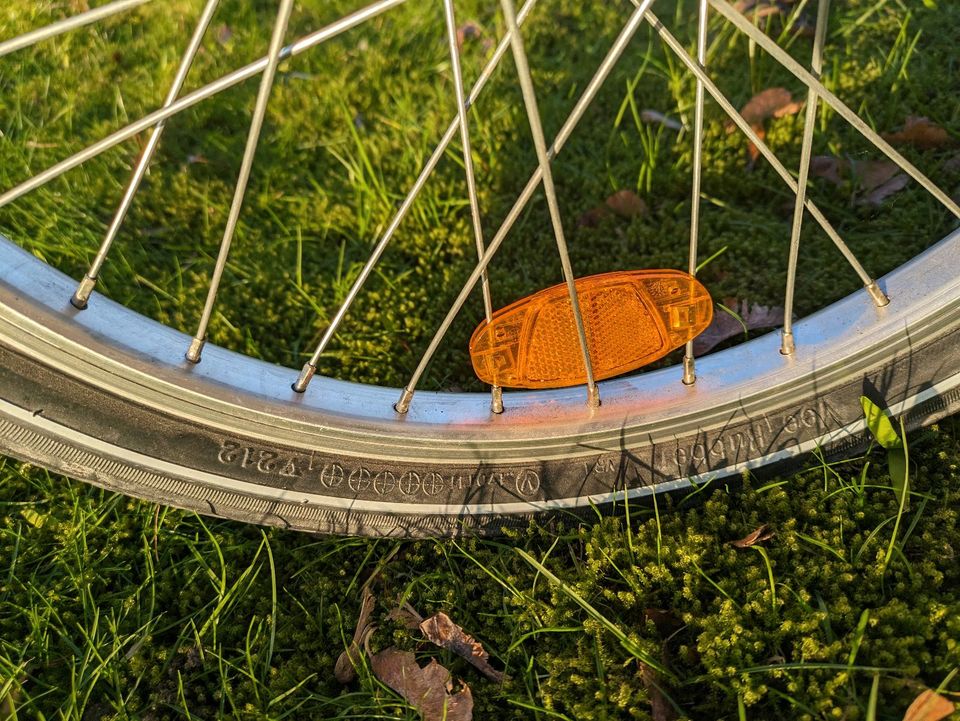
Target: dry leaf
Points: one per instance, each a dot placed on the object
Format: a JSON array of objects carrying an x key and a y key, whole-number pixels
[
  {"x": 929, "y": 706},
  {"x": 751, "y": 539},
  {"x": 407, "y": 616},
  {"x": 654, "y": 117},
  {"x": 660, "y": 708},
  {"x": 829, "y": 168},
  {"x": 345, "y": 668},
  {"x": 952, "y": 165},
  {"x": 468, "y": 31},
  {"x": 624, "y": 203},
  {"x": 665, "y": 621},
  {"x": 872, "y": 174},
  {"x": 921, "y": 133},
  {"x": 224, "y": 34},
  {"x": 627, "y": 204},
  {"x": 769, "y": 103},
  {"x": 442, "y": 631},
  {"x": 881, "y": 193},
  {"x": 593, "y": 217},
  {"x": 427, "y": 689},
  {"x": 724, "y": 326}
]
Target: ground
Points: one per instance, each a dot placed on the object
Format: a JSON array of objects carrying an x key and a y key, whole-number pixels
[{"x": 112, "y": 608}]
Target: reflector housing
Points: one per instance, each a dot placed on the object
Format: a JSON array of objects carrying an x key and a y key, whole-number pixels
[{"x": 631, "y": 318}]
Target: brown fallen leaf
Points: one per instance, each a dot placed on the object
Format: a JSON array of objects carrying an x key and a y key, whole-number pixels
[
  {"x": 769, "y": 103},
  {"x": 627, "y": 204},
  {"x": 660, "y": 708},
  {"x": 655, "y": 117},
  {"x": 921, "y": 133},
  {"x": 754, "y": 537},
  {"x": 223, "y": 34},
  {"x": 724, "y": 325},
  {"x": 442, "y": 631},
  {"x": 593, "y": 217},
  {"x": 406, "y": 616},
  {"x": 881, "y": 193},
  {"x": 470, "y": 30},
  {"x": 929, "y": 706},
  {"x": 878, "y": 179},
  {"x": 872, "y": 174},
  {"x": 345, "y": 669},
  {"x": 829, "y": 168},
  {"x": 952, "y": 165},
  {"x": 427, "y": 689}
]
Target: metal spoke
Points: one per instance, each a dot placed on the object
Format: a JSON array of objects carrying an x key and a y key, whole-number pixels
[
  {"x": 804, "y": 76},
  {"x": 787, "y": 343},
  {"x": 496, "y": 393},
  {"x": 253, "y": 137},
  {"x": 689, "y": 369},
  {"x": 61, "y": 26},
  {"x": 85, "y": 288},
  {"x": 217, "y": 86},
  {"x": 569, "y": 124},
  {"x": 721, "y": 100},
  {"x": 540, "y": 143},
  {"x": 310, "y": 367}
]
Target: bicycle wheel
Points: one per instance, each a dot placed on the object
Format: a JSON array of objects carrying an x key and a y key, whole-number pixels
[{"x": 107, "y": 395}]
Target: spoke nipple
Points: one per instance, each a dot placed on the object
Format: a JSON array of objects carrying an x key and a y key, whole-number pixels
[
  {"x": 300, "y": 385},
  {"x": 787, "y": 346},
  {"x": 880, "y": 298},
  {"x": 82, "y": 294},
  {"x": 593, "y": 396},
  {"x": 403, "y": 405},
  {"x": 689, "y": 371},
  {"x": 496, "y": 399},
  {"x": 195, "y": 349}
]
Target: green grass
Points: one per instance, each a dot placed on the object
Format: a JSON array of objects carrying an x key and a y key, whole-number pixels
[{"x": 111, "y": 608}]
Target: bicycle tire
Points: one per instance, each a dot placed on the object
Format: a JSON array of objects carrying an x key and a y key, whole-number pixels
[{"x": 106, "y": 397}]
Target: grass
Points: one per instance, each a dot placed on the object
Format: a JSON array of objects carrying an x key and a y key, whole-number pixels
[{"x": 111, "y": 608}]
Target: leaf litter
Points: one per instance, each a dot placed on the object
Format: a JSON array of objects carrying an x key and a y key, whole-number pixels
[
  {"x": 624, "y": 203},
  {"x": 922, "y": 133},
  {"x": 763, "y": 533},
  {"x": 743, "y": 318},
  {"x": 430, "y": 688},
  {"x": 873, "y": 180},
  {"x": 443, "y": 632},
  {"x": 770, "y": 103},
  {"x": 929, "y": 706}
]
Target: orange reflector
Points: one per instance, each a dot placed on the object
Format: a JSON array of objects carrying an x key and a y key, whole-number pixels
[{"x": 631, "y": 318}]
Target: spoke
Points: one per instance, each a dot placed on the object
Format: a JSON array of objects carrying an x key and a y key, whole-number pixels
[
  {"x": 85, "y": 288},
  {"x": 569, "y": 124},
  {"x": 67, "y": 24},
  {"x": 217, "y": 86},
  {"x": 310, "y": 367},
  {"x": 689, "y": 369},
  {"x": 804, "y": 76},
  {"x": 496, "y": 394},
  {"x": 746, "y": 129},
  {"x": 787, "y": 343},
  {"x": 540, "y": 143},
  {"x": 256, "y": 124}
]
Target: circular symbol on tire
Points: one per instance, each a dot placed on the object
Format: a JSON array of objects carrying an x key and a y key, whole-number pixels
[
  {"x": 384, "y": 482},
  {"x": 409, "y": 483},
  {"x": 528, "y": 482},
  {"x": 332, "y": 475},
  {"x": 432, "y": 483},
  {"x": 359, "y": 480}
]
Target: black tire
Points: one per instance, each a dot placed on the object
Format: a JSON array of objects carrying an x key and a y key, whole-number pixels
[{"x": 105, "y": 397}]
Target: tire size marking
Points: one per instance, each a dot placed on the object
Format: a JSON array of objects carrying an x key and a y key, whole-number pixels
[
  {"x": 362, "y": 480},
  {"x": 764, "y": 435}
]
